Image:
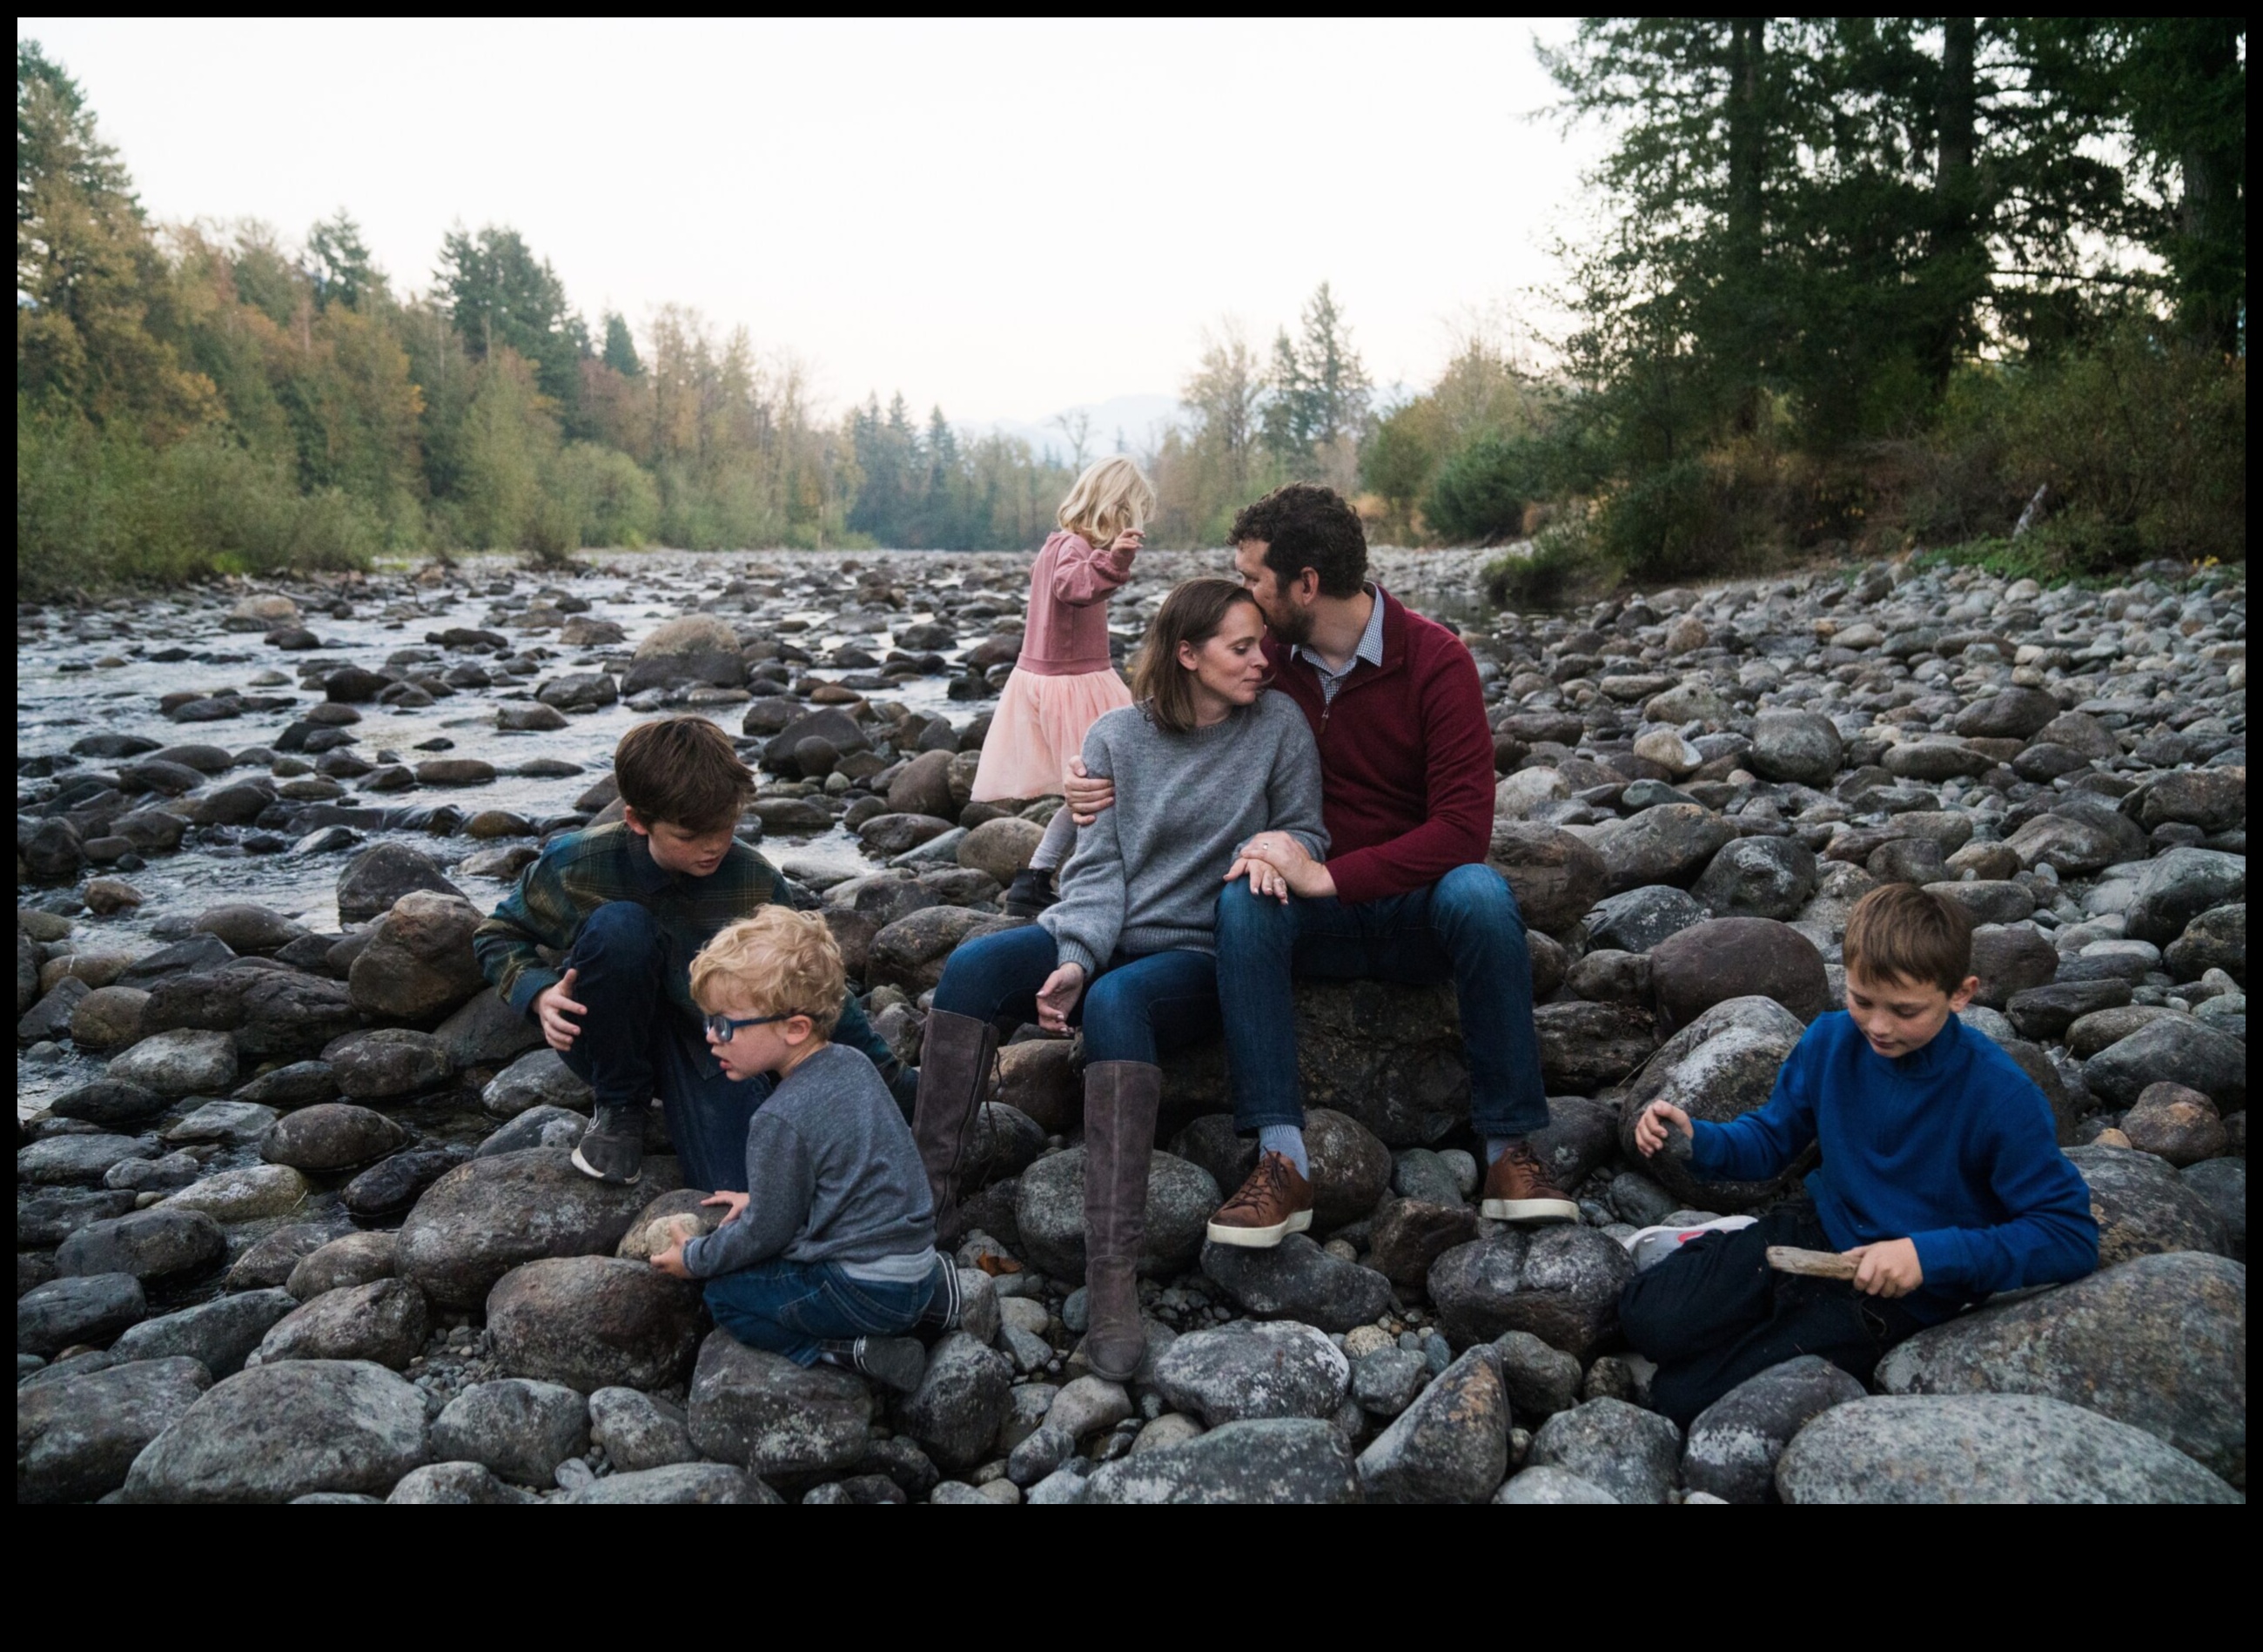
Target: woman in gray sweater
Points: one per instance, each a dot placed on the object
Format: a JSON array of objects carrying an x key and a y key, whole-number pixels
[{"x": 1204, "y": 759}]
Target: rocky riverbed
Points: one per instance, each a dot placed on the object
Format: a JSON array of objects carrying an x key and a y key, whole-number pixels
[{"x": 293, "y": 1215}]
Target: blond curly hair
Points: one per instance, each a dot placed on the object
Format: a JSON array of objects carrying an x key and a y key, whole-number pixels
[
  {"x": 777, "y": 962},
  {"x": 1112, "y": 495}
]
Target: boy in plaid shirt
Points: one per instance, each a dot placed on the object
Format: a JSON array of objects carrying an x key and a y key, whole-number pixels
[{"x": 624, "y": 907}]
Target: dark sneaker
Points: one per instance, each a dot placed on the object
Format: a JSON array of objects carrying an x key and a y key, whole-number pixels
[
  {"x": 1273, "y": 1202},
  {"x": 894, "y": 1362},
  {"x": 1031, "y": 893},
  {"x": 1517, "y": 1189},
  {"x": 944, "y": 1308},
  {"x": 612, "y": 1147}
]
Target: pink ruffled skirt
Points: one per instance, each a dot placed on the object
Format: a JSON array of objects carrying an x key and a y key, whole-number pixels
[{"x": 1040, "y": 725}]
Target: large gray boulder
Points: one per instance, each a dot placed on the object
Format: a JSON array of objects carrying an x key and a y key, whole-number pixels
[
  {"x": 2159, "y": 1342},
  {"x": 1049, "y": 1211},
  {"x": 218, "y": 1334},
  {"x": 276, "y": 1433},
  {"x": 1734, "y": 1443},
  {"x": 1984, "y": 1448},
  {"x": 519, "y": 1428},
  {"x": 152, "y": 1245},
  {"x": 1272, "y": 1462},
  {"x": 2180, "y": 886},
  {"x": 1630, "y": 1452},
  {"x": 2143, "y": 1207},
  {"x": 1297, "y": 1279},
  {"x": 1451, "y": 1445},
  {"x": 383, "y": 1322},
  {"x": 962, "y": 1399},
  {"x": 485, "y": 1218},
  {"x": 1667, "y": 843},
  {"x": 77, "y": 1435},
  {"x": 1555, "y": 876},
  {"x": 591, "y": 1322},
  {"x": 781, "y": 1419},
  {"x": 1720, "y": 1067},
  {"x": 1253, "y": 1368},
  {"x": 1561, "y": 1283},
  {"x": 1727, "y": 957},
  {"x": 2190, "y": 1052}
]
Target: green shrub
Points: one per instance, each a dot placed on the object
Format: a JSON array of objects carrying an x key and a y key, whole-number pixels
[
  {"x": 1560, "y": 559},
  {"x": 96, "y": 508},
  {"x": 1479, "y": 493}
]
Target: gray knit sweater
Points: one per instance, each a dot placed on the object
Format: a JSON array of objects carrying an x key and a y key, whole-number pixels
[{"x": 1147, "y": 874}]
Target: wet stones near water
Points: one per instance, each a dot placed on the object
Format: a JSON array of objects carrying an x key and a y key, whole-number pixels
[
  {"x": 152, "y": 1245},
  {"x": 332, "y": 1136},
  {"x": 1823, "y": 735},
  {"x": 91, "y": 1308}
]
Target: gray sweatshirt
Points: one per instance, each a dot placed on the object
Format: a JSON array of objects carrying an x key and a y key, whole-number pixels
[
  {"x": 1147, "y": 874},
  {"x": 834, "y": 1176}
]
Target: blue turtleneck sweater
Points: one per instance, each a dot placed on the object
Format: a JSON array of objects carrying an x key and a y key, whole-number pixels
[{"x": 1951, "y": 1146}]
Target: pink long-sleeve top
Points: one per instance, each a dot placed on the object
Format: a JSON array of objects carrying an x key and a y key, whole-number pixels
[{"x": 1067, "y": 632}]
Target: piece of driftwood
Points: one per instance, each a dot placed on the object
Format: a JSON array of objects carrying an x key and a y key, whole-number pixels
[{"x": 1816, "y": 1264}]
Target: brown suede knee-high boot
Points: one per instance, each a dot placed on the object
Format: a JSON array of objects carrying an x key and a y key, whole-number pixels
[
  {"x": 1120, "y": 1102},
  {"x": 954, "y": 1071}
]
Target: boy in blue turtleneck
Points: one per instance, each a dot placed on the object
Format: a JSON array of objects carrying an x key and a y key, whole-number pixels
[{"x": 1941, "y": 1178}]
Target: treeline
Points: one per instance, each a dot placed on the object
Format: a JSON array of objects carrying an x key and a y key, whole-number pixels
[
  {"x": 1883, "y": 281},
  {"x": 1878, "y": 280}
]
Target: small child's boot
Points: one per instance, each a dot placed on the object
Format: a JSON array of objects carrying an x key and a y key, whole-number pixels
[
  {"x": 894, "y": 1362},
  {"x": 1031, "y": 893}
]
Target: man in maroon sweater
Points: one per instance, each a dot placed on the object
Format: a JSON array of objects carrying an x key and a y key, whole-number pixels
[{"x": 1406, "y": 782}]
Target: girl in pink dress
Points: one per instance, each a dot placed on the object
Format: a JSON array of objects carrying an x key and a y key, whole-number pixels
[{"x": 1064, "y": 680}]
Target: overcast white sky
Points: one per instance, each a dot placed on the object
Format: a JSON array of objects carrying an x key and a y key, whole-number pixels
[{"x": 1007, "y": 219}]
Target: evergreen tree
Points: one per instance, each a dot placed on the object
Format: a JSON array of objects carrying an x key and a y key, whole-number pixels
[
  {"x": 620, "y": 352},
  {"x": 339, "y": 264}
]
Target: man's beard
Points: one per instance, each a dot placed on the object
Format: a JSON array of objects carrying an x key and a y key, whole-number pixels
[{"x": 1292, "y": 627}]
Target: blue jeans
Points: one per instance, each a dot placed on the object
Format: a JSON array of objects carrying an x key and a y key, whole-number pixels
[
  {"x": 1136, "y": 1010},
  {"x": 795, "y": 1308},
  {"x": 1465, "y": 927},
  {"x": 636, "y": 1043}
]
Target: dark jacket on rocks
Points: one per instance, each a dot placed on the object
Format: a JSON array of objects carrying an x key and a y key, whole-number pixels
[
  {"x": 1406, "y": 757},
  {"x": 1951, "y": 1146}
]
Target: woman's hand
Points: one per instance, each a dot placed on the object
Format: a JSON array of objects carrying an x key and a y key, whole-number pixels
[
  {"x": 1059, "y": 995},
  {"x": 1277, "y": 865},
  {"x": 735, "y": 1206}
]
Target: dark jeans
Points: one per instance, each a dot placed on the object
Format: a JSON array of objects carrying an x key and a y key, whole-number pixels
[
  {"x": 1464, "y": 928},
  {"x": 794, "y": 1309},
  {"x": 1136, "y": 1010},
  {"x": 1714, "y": 1313},
  {"x": 635, "y": 1043}
]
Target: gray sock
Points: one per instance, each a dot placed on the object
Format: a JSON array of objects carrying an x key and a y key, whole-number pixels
[
  {"x": 1288, "y": 1140},
  {"x": 1495, "y": 1146},
  {"x": 1060, "y": 839}
]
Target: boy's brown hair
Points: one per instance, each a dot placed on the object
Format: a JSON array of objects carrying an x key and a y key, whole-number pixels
[
  {"x": 777, "y": 962},
  {"x": 682, "y": 770},
  {"x": 1902, "y": 932}
]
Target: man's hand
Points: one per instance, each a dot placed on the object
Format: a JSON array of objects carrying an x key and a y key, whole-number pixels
[
  {"x": 1650, "y": 1130},
  {"x": 735, "y": 1204},
  {"x": 670, "y": 1262},
  {"x": 1889, "y": 1268},
  {"x": 554, "y": 1009},
  {"x": 1276, "y": 856},
  {"x": 1087, "y": 793},
  {"x": 1059, "y": 995}
]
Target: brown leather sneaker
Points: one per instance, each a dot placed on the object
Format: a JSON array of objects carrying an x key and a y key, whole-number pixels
[
  {"x": 1273, "y": 1202},
  {"x": 1517, "y": 1189}
]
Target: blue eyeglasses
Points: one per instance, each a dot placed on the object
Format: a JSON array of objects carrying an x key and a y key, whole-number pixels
[{"x": 723, "y": 1029}]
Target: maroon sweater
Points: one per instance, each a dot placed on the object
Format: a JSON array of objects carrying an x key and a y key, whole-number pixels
[{"x": 1406, "y": 757}]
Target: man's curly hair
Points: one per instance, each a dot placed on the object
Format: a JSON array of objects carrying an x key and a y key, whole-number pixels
[{"x": 1305, "y": 525}]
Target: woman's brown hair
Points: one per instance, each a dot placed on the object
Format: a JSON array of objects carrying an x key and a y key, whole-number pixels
[{"x": 1193, "y": 614}]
